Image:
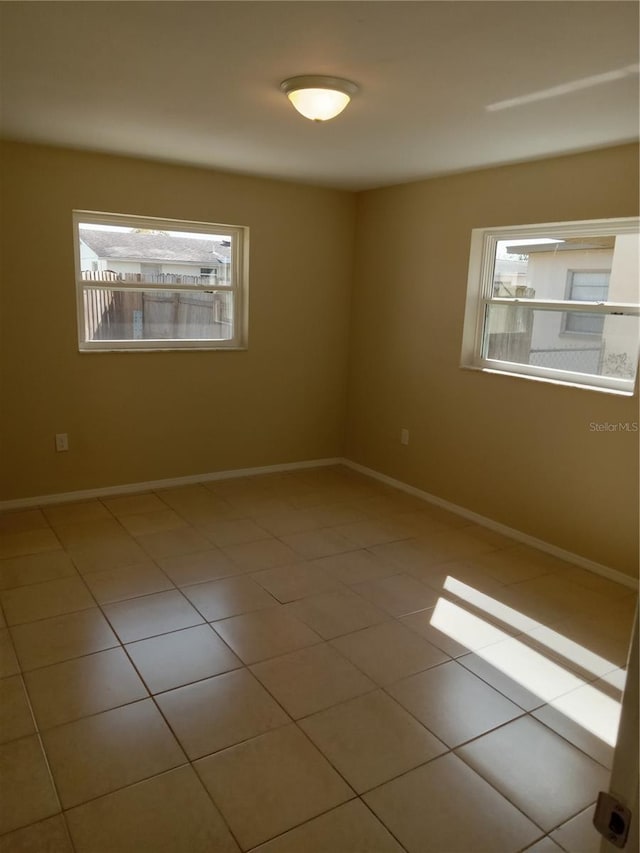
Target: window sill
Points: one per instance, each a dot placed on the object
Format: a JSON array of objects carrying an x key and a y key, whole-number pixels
[{"x": 547, "y": 380}]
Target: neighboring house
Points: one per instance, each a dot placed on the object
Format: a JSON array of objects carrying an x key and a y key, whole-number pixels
[
  {"x": 593, "y": 271},
  {"x": 155, "y": 256}
]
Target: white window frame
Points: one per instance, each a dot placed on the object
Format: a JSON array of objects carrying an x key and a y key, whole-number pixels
[
  {"x": 238, "y": 286},
  {"x": 482, "y": 256}
]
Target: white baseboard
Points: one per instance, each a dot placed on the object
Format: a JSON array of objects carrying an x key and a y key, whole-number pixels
[
  {"x": 152, "y": 485},
  {"x": 512, "y": 533}
]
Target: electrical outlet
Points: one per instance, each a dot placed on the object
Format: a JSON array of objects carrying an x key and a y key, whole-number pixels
[
  {"x": 612, "y": 819},
  {"x": 404, "y": 436},
  {"x": 62, "y": 441}
]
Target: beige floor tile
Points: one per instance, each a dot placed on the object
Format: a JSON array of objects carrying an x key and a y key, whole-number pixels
[
  {"x": 83, "y": 686},
  {"x": 364, "y": 534},
  {"x": 441, "y": 576},
  {"x": 185, "y": 497},
  {"x": 371, "y": 739},
  {"x": 203, "y": 511},
  {"x": 590, "y": 580},
  {"x": 134, "y": 504},
  {"x": 575, "y": 715},
  {"x": 580, "y": 659},
  {"x": 398, "y": 594},
  {"x": 350, "y": 827},
  {"x": 265, "y": 634},
  {"x": 542, "y": 774},
  {"x": 417, "y": 521},
  {"x": 47, "y": 836},
  {"x": 388, "y": 652},
  {"x": 108, "y": 555},
  {"x": 290, "y": 521},
  {"x": 597, "y": 636},
  {"x": 170, "y": 813},
  {"x": 507, "y": 684},
  {"x": 545, "y": 845},
  {"x": 308, "y": 680},
  {"x": 271, "y": 783},
  {"x": 258, "y": 505},
  {"x": 42, "y": 600},
  {"x": 127, "y": 582},
  {"x": 390, "y": 504},
  {"x": 78, "y": 511},
  {"x": 28, "y": 542},
  {"x": 338, "y": 514},
  {"x": 35, "y": 568},
  {"x": 531, "y": 668},
  {"x": 228, "y": 597},
  {"x": 142, "y": 523},
  {"x": 332, "y": 614},
  {"x": 289, "y": 583},
  {"x": 444, "y": 805},
  {"x": 576, "y": 625},
  {"x": 77, "y": 534},
  {"x": 62, "y": 638},
  {"x": 579, "y": 835},
  {"x": 264, "y": 554},
  {"x": 26, "y": 793},
  {"x": 453, "y": 703},
  {"x": 139, "y": 618},
  {"x": 313, "y": 498},
  {"x": 219, "y": 712},
  {"x": 8, "y": 660},
  {"x": 407, "y": 555},
  {"x": 558, "y": 592},
  {"x": 202, "y": 566},
  {"x": 15, "y": 715},
  {"x": 497, "y": 606},
  {"x": 357, "y": 567},
  {"x": 181, "y": 657},
  {"x": 424, "y": 623},
  {"x": 312, "y": 544},
  {"x": 95, "y": 755},
  {"x": 432, "y": 549},
  {"x": 171, "y": 543},
  {"x": 20, "y": 521},
  {"x": 512, "y": 565},
  {"x": 233, "y": 531}
]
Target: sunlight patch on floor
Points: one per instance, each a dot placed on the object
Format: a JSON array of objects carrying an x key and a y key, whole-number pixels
[{"x": 555, "y": 685}]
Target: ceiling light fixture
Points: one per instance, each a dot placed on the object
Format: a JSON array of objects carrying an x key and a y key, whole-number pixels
[{"x": 318, "y": 98}]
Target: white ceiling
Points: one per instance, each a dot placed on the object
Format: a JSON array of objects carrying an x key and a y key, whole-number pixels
[{"x": 197, "y": 82}]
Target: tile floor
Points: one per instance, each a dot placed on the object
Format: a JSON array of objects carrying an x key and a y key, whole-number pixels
[{"x": 308, "y": 662}]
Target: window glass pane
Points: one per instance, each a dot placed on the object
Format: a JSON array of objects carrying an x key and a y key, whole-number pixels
[
  {"x": 114, "y": 253},
  {"x": 524, "y": 335},
  {"x": 117, "y": 315},
  {"x": 553, "y": 267},
  {"x": 584, "y": 324}
]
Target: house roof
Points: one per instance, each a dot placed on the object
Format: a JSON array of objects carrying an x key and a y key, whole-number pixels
[{"x": 154, "y": 246}]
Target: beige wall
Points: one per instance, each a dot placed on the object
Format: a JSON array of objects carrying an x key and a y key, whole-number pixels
[
  {"x": 517, "y": 451},
  {"x": 133, "y": 417}
]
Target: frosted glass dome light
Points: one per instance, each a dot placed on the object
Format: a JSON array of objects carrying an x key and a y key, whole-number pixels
[{"x": 318, "y": 98}]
